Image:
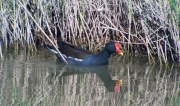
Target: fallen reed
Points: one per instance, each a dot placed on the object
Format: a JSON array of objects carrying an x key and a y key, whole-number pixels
[{"x": 150, "y": 27}]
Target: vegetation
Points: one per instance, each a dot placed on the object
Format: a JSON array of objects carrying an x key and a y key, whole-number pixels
[{"x": 150, "y": 27}]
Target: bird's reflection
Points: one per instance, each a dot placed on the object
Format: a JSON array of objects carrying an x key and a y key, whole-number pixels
[{"x": 102, "y": 72}]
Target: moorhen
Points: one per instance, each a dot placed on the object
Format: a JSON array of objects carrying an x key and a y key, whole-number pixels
[{"x": 78, "y": 56}]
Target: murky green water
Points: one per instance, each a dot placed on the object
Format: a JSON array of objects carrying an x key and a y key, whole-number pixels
[{"x": 37, "y": 78}]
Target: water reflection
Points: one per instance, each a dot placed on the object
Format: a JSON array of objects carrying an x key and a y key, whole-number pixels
[
  {"x": 36, "y": 78},
  {"x": 102, "y": 72}
]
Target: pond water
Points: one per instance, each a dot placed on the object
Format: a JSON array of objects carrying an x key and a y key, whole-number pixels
[{"x": 38, "y": 78}]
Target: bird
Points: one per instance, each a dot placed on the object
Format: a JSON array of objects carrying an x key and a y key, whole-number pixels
[{"x": 78, "y": 56}]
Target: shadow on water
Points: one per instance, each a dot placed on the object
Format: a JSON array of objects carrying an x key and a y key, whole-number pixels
[{"x": 36, "y": 78}]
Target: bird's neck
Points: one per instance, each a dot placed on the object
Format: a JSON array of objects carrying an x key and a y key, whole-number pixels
[{"x": 103, "y": 57}]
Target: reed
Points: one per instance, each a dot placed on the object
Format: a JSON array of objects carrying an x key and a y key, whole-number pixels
[{"x": 150, "y": 27}]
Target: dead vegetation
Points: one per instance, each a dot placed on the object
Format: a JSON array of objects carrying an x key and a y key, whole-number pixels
[{"x": 150, "y": 27}]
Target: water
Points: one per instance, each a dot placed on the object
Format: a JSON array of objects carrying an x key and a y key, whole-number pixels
[{"x": 37, "y": 78}]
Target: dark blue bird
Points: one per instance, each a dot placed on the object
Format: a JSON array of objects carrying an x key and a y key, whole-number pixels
[{"x": 78, "y": 56}]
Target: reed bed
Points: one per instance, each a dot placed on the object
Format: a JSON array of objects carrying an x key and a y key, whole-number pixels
[{"x": 150, "y": 27}]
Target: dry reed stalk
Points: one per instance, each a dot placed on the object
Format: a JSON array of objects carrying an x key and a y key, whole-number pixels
[{"x": 52, "y": 42}]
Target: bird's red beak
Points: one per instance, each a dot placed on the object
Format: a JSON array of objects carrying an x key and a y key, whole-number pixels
[
  {"x": 118, "y": 49},
  {"x": 116, "y": 87}
]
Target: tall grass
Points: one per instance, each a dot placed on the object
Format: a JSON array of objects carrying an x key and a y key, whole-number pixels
[{"x": 150, "y": 27}]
